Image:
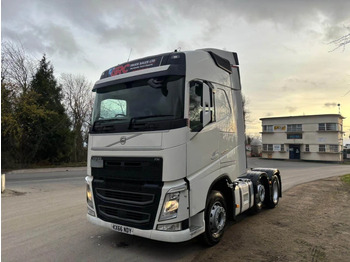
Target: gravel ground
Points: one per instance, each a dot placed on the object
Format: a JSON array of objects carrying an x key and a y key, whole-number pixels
[{"x": 311, "y": 223}]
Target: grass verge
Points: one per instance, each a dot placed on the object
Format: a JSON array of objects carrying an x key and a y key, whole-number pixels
[{"x": 346, "y": 179}]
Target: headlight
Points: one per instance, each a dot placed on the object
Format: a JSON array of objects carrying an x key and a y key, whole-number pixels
[
  {"x": 170, "y": 206},
  {"x": 171, "y": 203},
  {"x": 89, "y": 196}
]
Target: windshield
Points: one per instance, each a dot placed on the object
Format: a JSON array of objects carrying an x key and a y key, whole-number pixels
[{"x": 149, "y": 104}]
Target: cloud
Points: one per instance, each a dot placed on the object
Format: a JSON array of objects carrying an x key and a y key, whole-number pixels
[
  {"x": 132, "y": 34},
  {"x": 335, "y": 32},
  {"x": 50, "y": 38},
  {"x": 300, "y": 83},
  {"x": 138, "y": 24},
  {"x": 291, "y": 109},
  {"x": 61, "y": 40},
  {"x": 330, "y": 104}
]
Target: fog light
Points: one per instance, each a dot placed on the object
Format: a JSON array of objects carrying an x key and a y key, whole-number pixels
[
  {"x": 91, "y": 212},
  {"x": 170, "y": 227}
]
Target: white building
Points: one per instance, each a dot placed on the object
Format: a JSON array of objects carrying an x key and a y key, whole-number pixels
[{"x": 313, "y": 137}]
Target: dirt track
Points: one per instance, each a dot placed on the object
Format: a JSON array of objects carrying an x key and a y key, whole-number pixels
[
  {"x": 311, "y": 223},
  {"x": 317, "y": 228}
]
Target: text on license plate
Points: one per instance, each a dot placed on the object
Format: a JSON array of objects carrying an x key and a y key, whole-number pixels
[{"x": 123, "y": 229}]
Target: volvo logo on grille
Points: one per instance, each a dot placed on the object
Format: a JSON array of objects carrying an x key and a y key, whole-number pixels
[{"x": 123, "y": 140}]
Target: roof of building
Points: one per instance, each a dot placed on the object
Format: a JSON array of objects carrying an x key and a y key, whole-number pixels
[{"x": 276, "y": 117}]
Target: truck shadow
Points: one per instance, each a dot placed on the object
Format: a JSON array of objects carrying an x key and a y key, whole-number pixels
[
  {"x": 134, "y": 248},
  {"x": 142, "y": 249}
]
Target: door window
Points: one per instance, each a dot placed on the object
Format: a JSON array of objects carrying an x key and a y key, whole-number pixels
[
  {"x": 201, "y": 105},
  {"x": 196, "y": 97},
  {"x": 222, "y": 105}
]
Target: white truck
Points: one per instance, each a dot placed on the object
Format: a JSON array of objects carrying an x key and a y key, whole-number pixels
[{"x": 166, "y": 150}]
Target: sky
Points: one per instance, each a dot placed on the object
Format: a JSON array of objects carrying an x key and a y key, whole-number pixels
[{"x": 286, "y": 63}]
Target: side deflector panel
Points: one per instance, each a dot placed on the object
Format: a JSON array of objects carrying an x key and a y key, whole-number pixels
[{"x": 221, "y": 62}]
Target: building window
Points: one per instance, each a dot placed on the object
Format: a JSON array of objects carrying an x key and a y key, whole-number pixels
[
  {"x": 294, "y": 128},
  {"x": 327, "y": 127},
  {"x": 334, "y": 148},
  {"x": 267, "y": 128},
  {"x": 322, "y": 148},
  {"x": 267, "y": 147},
  {"x": 282, "y": 147},
  {"x": 294, "y": 136},
  {"x": 307, "y": 148}
]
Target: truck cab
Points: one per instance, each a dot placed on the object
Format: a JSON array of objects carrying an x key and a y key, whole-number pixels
[{"x": 166, "y": 150}]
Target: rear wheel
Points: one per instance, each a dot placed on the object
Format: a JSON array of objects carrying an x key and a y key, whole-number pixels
[
  {"x": 215, "y": 218},
  {"x": 274, "y": 194},
  {"x": 259, "y": 197}
]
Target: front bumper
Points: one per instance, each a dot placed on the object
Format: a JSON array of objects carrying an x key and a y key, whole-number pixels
[{"x": 173, "y": 236}]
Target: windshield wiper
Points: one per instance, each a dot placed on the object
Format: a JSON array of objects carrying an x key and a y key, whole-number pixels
[
  {"x": 133, "y": 119},
  {"x": 101, "y": 121}
]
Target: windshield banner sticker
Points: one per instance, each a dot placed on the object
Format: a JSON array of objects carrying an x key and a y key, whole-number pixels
[{"x": 132, "y": 66}]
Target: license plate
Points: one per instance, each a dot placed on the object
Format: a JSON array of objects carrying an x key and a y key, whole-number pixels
[{"x": 123, "y": 229}]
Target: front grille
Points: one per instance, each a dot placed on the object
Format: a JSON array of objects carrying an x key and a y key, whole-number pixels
[
  {"x": 119, "y": 196},
  {"x": 130, "y": 168},
  {"x": 126, "y": 215},
  {"x": 127, "y": 190}
]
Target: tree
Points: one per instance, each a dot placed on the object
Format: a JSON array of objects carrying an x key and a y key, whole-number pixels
[
  {"x": 78, "y": 100},
  {"x": 34, "y": 124},
  {"x": 52, "y": 130},
  {"x": 16, "y": 66},
  {"x": 21, "y": 127},
  {"x": 16, "y": 73},
  {"x": 8, "y": 126},
  {"x": 246, "y": 112}
]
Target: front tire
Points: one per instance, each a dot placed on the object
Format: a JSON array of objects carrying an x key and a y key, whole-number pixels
[{"x": 215, "y": 218}]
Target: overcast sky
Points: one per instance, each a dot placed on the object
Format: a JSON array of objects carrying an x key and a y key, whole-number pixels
[{"x": 286, "y": 64}]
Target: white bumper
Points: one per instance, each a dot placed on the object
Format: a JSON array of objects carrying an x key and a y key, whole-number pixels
[{"x": 174, "y": 236}]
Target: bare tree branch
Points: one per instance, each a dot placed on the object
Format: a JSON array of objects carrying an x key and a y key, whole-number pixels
[
  {"x": 341, "y": 42},
  {"x": 17, "y": 66},
  {"x": 78, "y": 100},
  {"x": 78, "y": 97}
]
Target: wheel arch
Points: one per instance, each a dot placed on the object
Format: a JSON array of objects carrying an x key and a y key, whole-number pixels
[
  {"x": 257, "y": 175},
  {"x": 271, "y": 172},
  {"x": 221, "y": 184}
]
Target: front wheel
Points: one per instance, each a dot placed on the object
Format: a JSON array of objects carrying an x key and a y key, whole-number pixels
[{"x": 215, "y": 218}]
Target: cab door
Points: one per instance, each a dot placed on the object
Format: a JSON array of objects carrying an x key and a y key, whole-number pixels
[{"x": 203, "y": 142}]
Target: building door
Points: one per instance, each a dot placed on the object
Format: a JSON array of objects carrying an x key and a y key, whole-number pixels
[{"x": 294, "y": 151}]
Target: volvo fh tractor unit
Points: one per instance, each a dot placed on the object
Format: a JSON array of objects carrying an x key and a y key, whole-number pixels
[{"x": 166, "y": 150}]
